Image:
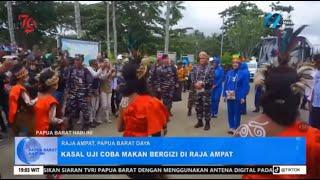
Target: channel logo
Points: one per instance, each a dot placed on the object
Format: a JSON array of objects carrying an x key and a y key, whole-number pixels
[
  {"x": 289, "y": 170},
  {"x": 35, "y": 150}
]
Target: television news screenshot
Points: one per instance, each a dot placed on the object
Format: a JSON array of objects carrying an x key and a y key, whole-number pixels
[{"x": 159, "y": 90}]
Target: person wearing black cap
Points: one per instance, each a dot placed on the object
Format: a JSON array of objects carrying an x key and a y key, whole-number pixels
[{"x": 78, "y": 87}]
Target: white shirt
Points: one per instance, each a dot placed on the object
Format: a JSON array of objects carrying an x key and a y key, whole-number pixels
[
  {"x": 309, "y": 91},
  {"x": 114, "y": 83},
  {"x": 316, "y": 90},
  {"x": 94, "y": 73}
]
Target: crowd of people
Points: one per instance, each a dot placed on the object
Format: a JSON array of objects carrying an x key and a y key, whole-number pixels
[
  {"x": 90, "y": 94},
  {"x": 42, "y": 92}
]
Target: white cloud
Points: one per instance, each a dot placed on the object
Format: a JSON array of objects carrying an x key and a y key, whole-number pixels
[{"x": 204, "y": 15}]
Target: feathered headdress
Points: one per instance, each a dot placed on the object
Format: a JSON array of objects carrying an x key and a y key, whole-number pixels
[{"x": 287, "y": 43}]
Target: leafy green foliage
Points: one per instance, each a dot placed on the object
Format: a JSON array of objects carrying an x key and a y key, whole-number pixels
[
  {"x": 243, "y": 28},
  {"x": 140, "y": 25}
]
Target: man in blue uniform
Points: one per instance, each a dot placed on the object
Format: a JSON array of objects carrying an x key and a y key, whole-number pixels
[
  {"x": 216, "y": 87},
  {"x": 234, "y": 94}
]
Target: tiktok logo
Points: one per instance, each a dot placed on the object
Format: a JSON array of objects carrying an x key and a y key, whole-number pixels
[{"x": 276, "y": 169}]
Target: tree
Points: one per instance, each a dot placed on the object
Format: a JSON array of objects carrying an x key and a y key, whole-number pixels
[
  {"x": 226, "y": 59},
  {"x": 139, "y": 23},
  {"x": 65, "y": 21},
  {"x": 10, "y": 22},
  {"x": 233, "y": 13},
  {"x": 43, "y": 12},
  {"x": 245, "y": 34},
  {"x": 107, "y": 25},
  {"x": 115, "y": 47},
  {"x": 243, "y": 28},
  {"x": 77, "y": 18},
  {"x": 167, "y": 28}
]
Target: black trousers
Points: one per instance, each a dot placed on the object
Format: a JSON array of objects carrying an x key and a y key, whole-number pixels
[
  {"x": 315, "y": 117},
  {"x": 115, "y": 101},
  {"x": 2, "y": 123},
  {"x": 304, "y": 102}
]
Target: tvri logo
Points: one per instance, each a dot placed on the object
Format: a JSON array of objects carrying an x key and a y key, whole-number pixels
[{"x": 29, "y": 150}]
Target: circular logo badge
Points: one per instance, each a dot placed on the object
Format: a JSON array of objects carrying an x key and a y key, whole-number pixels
[{"x": 29, "y": 150}]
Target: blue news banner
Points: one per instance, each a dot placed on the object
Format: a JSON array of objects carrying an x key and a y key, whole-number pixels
[{"x": 159, "y": 151}]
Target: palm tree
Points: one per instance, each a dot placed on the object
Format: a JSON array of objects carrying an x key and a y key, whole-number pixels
[
  {"x": 10, "y": 22},
  {"x": 173, "y": 15},
  {"x": 107, "y": 25},
  {"x": 114, "y": 29},
  {"x": 167, "y": 27},
  {"x": 77, "y": 18}
]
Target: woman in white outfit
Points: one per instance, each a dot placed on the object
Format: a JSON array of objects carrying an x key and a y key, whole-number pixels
[{"x": 105, "y": 90}]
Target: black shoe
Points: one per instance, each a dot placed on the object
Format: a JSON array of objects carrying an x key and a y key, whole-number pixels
[
  {"x": 85, "y": 128},
  {"x": 256, "y": 110},
  {"x": 4, "y": 130},
  {"x": 198, "y": 125},
  {"x": 214, "y": 116},
  {"x": 92, "y": 125},
  {"x": 207, "y": 126},
  {"x": 189, "y": 112},
  {"x": 96, "y": 123},
  {"x": 231, "y": 132},
  {"x": 303, "y": 108}
]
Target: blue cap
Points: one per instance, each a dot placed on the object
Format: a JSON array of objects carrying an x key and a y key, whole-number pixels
[{"x": 216, "y": 60}]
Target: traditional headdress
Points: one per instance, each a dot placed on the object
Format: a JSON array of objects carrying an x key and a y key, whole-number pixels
[
  {"x": 203, "y": 53},
  {"x": 236, "y": 60},
  {"x": 53, "y": 80},
  {"x": 50, "y": 81},
  {"x": 21, "y": 73},
  {"x": 287, "y": 42}
]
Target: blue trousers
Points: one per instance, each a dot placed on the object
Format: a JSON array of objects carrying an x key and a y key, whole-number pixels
[
  {"x": 257, "y": 97},
  {"x": 215, "y": 100},
  {"x": 234, "y": 113},
  {"x": 214, "y": 105},
  {"x": 59, "y": 97}
]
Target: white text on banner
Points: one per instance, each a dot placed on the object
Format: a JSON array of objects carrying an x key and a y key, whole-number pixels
[{"x": 28, "y": 170}]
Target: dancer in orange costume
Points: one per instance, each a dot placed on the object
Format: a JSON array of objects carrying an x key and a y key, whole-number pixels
[
  {"x": 46, "y": 106},
  {"x": 20, "y": 111},
  {"x": 141, "y": 115},
  {"x": 280, "y": 118}
]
